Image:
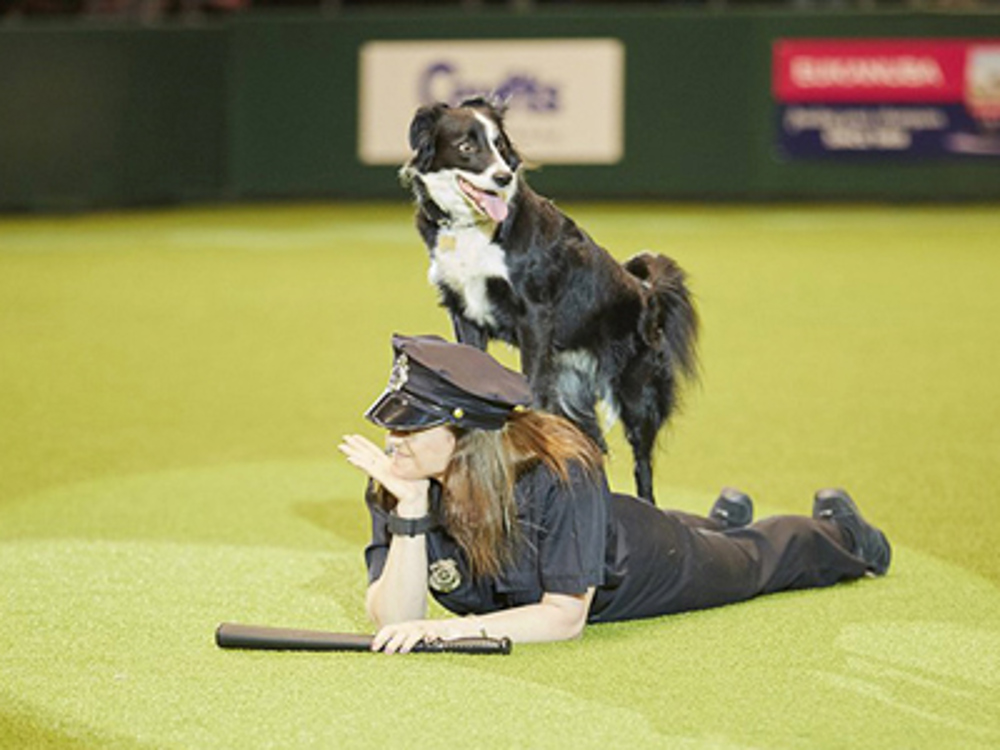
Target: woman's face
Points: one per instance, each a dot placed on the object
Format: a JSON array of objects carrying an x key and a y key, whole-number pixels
[{"x": 423, "y": 454}]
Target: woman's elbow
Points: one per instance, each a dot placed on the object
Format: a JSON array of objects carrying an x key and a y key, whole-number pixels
[
  {"x": 575, "y": 627},
  {"x": 572, "y": 614}
]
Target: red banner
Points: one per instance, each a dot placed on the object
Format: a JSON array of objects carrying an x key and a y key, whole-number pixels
[
  {"x": 918, "y": 97},
  {"x": 871, "y": 70}
]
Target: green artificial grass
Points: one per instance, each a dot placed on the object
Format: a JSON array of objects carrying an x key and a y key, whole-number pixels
[{"x": 173, "y": 385}]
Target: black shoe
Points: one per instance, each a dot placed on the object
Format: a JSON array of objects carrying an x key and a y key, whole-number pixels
[
  {"x": 733, "y": 509},
  {"x": 864, "y": 540}
]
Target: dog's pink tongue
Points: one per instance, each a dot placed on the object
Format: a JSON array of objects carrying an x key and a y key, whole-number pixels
[{"x": 494, "y": 206}]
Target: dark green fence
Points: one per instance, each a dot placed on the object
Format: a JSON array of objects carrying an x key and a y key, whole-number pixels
[{"x": 266, "y": 107}]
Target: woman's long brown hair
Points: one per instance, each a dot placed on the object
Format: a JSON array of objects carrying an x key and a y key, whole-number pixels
[{"x": 480, "y": 510}]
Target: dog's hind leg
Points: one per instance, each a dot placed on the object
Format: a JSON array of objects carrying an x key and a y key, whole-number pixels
[
  {"x": 642, "y": 438},
  {"x": 645, "y": 405}
]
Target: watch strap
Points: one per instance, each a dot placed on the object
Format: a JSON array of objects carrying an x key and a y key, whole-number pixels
[{"x": 410, "y": 526}]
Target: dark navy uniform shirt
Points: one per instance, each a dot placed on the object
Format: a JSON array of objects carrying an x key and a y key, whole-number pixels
[{"x": 573, "y": 536}]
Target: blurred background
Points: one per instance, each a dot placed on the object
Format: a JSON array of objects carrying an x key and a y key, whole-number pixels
[{"x": 117, "y": 103}]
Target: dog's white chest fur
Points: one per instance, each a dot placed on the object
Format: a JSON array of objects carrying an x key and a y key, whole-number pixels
[{"x": 464, "y": 260}]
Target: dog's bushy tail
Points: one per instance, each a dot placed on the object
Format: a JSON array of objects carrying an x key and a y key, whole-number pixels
[{"x": 670, "y": 321}]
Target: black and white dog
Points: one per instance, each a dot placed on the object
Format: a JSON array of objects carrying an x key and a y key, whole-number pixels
[{"x": 511, "y": 266}]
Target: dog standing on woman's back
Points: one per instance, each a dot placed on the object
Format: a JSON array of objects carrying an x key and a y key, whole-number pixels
[{"x": 511, "y": 266}]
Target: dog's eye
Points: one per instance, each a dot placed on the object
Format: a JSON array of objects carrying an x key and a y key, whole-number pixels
[{"x": 466, "y": 147}]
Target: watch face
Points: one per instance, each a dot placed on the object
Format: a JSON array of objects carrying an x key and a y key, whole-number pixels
[{"x": 444, "y": 576}]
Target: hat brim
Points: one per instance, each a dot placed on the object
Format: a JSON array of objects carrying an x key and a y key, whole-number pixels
[{"x": 397, "y": 410}]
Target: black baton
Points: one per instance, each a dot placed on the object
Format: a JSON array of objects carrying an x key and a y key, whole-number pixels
[{"x": 260, "y": 637}]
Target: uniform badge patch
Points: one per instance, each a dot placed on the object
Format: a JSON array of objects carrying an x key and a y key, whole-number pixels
[{"x": 443, "y": 576}]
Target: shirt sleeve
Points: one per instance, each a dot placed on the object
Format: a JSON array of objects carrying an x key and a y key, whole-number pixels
[
  {"x": 378, "y": 549},
  {"x": 573, "y": 536}
]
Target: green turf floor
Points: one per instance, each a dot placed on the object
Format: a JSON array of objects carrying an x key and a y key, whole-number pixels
[{"x": 173, "y": 385}]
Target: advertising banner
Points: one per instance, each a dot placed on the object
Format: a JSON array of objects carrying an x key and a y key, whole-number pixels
[
  {"x": 906, "y": 97},
  {"x": 565, "y": 96}
]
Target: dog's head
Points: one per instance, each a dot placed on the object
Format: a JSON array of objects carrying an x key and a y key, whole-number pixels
[{"x": 463, "y": 161}]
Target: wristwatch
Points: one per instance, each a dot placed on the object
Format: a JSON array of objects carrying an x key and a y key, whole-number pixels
[{"x": 410, "y": 526}]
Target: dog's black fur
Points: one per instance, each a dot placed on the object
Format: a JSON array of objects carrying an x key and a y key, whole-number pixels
[{"x": 511, "y": 266}]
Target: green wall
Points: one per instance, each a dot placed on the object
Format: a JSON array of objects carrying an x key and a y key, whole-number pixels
[
  {"x": 98, "y": 118},
  {"x": 262, "y": 106}
]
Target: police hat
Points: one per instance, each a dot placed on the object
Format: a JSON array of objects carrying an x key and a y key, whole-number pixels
[{"x": 435, "y": 382}]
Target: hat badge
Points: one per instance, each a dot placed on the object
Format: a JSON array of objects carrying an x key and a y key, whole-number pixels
[{"x": 400, "y": 373}]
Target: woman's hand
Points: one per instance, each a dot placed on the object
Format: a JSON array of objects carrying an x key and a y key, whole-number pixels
[
  {"x": 411, "y": 493},
  {"x": 401, "y": 637}
]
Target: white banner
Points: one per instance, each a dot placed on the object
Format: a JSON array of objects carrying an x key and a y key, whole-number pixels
[{"x": 566, "y": 96}]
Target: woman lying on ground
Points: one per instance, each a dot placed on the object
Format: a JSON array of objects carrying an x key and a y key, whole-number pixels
[{"x": 504, "y": 515}]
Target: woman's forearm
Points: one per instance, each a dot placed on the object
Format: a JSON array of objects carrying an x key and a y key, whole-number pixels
[
  {"x": 557, "y": 617},
  {"x": 400, "y": 593}
]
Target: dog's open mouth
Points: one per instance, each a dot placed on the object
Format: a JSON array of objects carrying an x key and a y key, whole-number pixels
[{"x": 485, "y": 201}]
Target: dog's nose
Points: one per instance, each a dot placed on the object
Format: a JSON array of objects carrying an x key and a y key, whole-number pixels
[{"x": 503, "y": 179}]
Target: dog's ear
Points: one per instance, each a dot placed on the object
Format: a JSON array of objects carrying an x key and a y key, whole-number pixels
[
  {"x": 422, "y": 130},
  {"x": 423, "y": 123},
  {"x": 493, "y": 105}
]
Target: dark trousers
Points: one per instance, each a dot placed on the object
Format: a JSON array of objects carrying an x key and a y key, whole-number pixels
[
  {"x": 779, "y": 553},
  {"x": 662, "y": 562}
]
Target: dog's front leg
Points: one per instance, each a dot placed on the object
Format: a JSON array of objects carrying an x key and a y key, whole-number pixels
[
  {"x": 557, "y": 388},
  {"x": 537, "y": 362},
  {"x": 467, "y": 332}
]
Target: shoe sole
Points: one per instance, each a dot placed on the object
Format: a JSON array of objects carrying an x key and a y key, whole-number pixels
[{"x": 825, "y": 507}]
